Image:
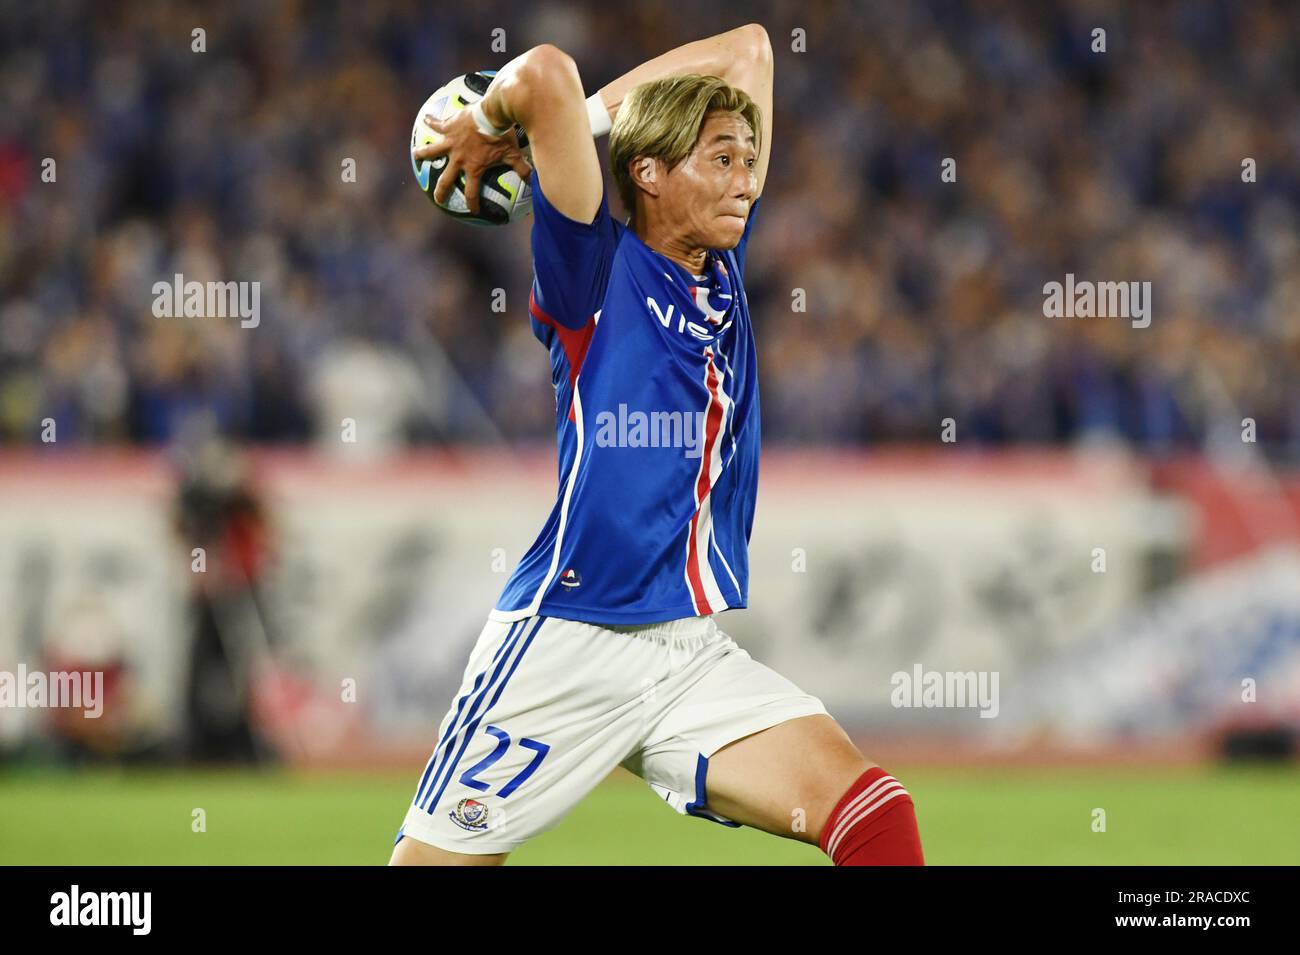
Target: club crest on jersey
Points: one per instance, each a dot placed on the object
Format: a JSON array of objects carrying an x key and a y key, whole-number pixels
[
  {"x": 704, "y": 298},
  {"x": 470, "y": 814},
  {"x": 570, "y": 578}
]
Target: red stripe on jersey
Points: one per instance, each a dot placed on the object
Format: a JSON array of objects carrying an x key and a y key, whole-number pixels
[
  {"x": 713, "y": 425},
  {"x": 574, "y": 341}
]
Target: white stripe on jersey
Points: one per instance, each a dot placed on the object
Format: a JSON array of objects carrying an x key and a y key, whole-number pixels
[
  {"x": 725, "y": 566},
  {"x": 729, "y": 422},
  {"x": 532, "y": 608},
  {"x": 703, "y": 525}
]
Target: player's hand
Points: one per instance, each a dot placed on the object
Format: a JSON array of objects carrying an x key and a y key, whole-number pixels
[{"x": 468, "y": 150}]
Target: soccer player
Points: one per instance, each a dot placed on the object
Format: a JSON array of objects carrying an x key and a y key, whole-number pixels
[{"x": 603, "y": 649}]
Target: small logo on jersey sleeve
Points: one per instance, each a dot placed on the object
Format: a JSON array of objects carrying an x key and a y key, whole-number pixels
[
  {"x": 570, "y": 578},
  {"x": 470, "y": 814}
]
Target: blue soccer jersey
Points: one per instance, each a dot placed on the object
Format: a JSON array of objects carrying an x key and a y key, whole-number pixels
[{"x": 657, "y": 421}]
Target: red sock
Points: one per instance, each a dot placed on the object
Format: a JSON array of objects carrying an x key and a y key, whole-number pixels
[{"x": 874, "y": 823}]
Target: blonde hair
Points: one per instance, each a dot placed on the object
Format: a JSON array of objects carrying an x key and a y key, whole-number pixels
[{"x": 662, "y": 119}]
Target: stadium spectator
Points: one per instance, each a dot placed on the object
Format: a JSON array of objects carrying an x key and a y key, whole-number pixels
[{"x": 924, "y": 298}]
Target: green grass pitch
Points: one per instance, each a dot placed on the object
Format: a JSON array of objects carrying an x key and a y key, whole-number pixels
[{"x": 1205, "y": 815}]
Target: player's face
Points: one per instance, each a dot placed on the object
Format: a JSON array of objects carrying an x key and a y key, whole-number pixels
[{"x": 710, "y": 191}]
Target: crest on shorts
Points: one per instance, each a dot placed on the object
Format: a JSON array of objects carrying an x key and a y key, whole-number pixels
[
  {"x": 470, "y": 814},
  {"x": 570, "y": 578}
]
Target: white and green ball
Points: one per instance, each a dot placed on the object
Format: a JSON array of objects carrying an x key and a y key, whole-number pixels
[{"x": 503, "y": 197}]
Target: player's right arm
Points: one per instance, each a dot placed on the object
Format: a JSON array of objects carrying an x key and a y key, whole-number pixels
[{"x": 541, "y": 91}]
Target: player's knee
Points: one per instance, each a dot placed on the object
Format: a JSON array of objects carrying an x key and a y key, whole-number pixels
[
  {"x": 410, "y": 851},
  {"x": 822, "y": 803},
  {"x": 816, "y": 808},
  {"x": 872, "y": 823}
]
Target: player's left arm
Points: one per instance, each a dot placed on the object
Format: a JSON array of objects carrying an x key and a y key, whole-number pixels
[{"x": 753, "y": 73}]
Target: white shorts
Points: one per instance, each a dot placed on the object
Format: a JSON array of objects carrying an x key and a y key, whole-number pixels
[{"x": 549, "y": 707}]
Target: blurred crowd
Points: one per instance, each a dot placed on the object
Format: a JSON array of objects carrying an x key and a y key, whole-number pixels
[{"x": 924, "y": 298}]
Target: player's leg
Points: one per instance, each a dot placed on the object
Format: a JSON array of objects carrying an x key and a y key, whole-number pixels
[
  {"x": 410, "y": 851},
  {"x": 785, "y": 779},
  {"x": 740, "y": 744},
  {"x": 807, "y": 770}
]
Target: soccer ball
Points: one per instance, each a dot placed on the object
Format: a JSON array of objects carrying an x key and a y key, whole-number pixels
[{"x": 503, "y": 196}]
